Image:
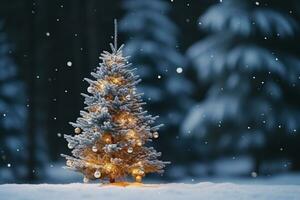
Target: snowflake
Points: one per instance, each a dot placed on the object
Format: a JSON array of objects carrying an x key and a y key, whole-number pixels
[
  {"x": 69, "y": 63},
  {"x": 179, "y": 70}
]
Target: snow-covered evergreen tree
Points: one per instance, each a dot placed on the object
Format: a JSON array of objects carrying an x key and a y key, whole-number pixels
[
  {"x": 253, "y": 82},
  {"x": 153, "y": 46},
  {"x": 113, "y": 129},
  {"x": 12, "y": 116}
]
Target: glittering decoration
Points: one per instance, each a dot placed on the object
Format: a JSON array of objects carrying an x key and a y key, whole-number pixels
[{"x": 77, "y": 130}]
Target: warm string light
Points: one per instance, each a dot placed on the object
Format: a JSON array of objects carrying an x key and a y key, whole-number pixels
[
  {"x": 139, "y": 142},
  {"x": 109, "y": 167},
  {"x": 131, "y": 134},
  {"x": 125, "y": 118},
  {"x": 138, "y": 179},
  {"x": 100, "y": 85},
  {"x": 116, "y": 80},
  {"x": 138, "y": 174},
  {"x": 107, "y": 138}
]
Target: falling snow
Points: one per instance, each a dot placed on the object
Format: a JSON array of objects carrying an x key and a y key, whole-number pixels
[
  {"x": 179, "y": 70},
  {"x": 69, "y": 63}
]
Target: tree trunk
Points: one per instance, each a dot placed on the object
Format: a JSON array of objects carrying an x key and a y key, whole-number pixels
[{"x": 112, "y": 180}]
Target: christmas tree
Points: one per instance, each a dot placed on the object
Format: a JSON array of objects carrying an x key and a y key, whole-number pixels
[{"x": 113, "y": 128}]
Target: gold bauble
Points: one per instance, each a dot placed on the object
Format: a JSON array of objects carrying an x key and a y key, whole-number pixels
[
  {"x": 77, "y": 130},
  {"x": 85, "y": 179},
  {"x": 97, "y": 174},
  {"x": 130, "y": 150},
  {"x": 94, "y": 149},
  {"x": 69, "y": 163},
  {"x": 155, "y": 135}
]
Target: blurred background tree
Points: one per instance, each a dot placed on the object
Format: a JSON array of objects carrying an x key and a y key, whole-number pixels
[
  {"x": 251, "y": 104},
  {"x": 13, "y": 115},
  {"x": 154, "y": 49}
]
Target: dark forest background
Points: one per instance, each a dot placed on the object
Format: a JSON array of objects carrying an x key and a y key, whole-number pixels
[{"x": 54, "y": 44}]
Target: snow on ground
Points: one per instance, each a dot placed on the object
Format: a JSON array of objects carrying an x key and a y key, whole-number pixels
[{"x": 175, "y": 191}]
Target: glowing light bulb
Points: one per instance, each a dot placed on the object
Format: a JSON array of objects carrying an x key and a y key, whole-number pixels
[
  {"x": 107, "y": 138},
  {"x": 137, "y": 171},
  {"x": 138, "y": 178},
  {"x": 130, "y": 134},
  {"x": 108, "y": 167},
  {"x": 139, "y": 143}
]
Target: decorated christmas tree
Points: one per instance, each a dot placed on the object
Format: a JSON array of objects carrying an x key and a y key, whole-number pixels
[{"x": 110, "y": 136}]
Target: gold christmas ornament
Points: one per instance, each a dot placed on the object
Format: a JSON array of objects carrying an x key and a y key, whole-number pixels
[
  {"x": 97, "y": 174},
  {"x": 155, "y": 135},
  {"x": 69, "y": 163},
  {"x": 90, "y": 89},
  {"x": 77, "y": 130},
  {"x": 130, "y": 150},
  {"x": 94, "y": 149},
  {"x": 85, "y": 179},
  {"x": 70, "y": 146}
]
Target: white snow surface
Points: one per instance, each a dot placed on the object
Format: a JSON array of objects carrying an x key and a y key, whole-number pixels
[{"x": 172, "y": 191}]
